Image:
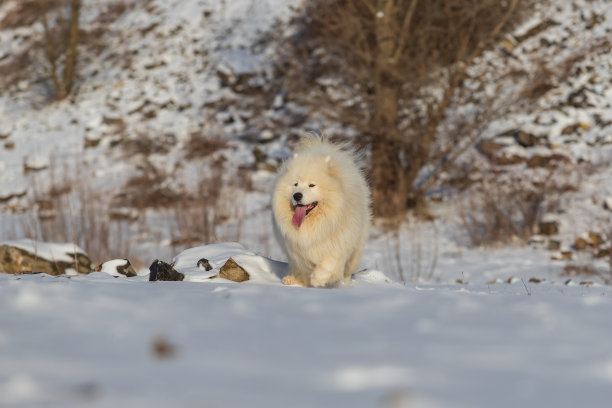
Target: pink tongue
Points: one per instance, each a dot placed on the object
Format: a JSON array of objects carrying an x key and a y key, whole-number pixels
[{"x": 300, "y": 214}]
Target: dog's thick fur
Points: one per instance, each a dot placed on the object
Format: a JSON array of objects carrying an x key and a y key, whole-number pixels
[{"x": 323, "y": 241}]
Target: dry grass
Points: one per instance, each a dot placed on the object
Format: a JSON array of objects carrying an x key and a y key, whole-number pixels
[
  {"x": 67, "y": 209},
  {"x": 53, "y": 57},
  {"x": 398, "y": 73},
  {"x": 507, "y": 210}
]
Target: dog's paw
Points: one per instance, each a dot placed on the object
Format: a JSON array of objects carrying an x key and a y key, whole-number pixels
[{"x": 289, "y": 280}]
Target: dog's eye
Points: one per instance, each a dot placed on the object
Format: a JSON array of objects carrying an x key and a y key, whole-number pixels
[
  {"x": 311, "y": 185},
  {"x": 295, "y": 185}
]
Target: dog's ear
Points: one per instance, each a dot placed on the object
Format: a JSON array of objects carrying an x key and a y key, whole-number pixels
[{"x": 329, "y": 164}]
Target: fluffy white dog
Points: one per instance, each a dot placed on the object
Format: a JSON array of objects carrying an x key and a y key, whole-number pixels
[{"x": 321, "y": 207}]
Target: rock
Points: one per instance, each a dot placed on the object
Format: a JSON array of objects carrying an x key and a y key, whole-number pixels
[
  {"x": 204, "y": 264},
  {"x": 604, "y": 252},
  {"x": 35, "y": 162},
  {"x": 548, "y": 227},
  {"x": 234, "y": 272},
  {"x": 608, "y": 203},
  {"x": 123, "y": 214},
  {"x": 575, "y": 128},
  {"x": 554, "y": 245},
  {"x": 7, "y": 196},
  {"x": 526, "y": 139},
  {"x": 127, "y": 269},
  {"x": 546, "y": 160},
  {"x": 92, "y": 140},
  {"x": 535, "y": 30},
  {"x": 595, "y": 239},
  {"x": 578, "y": 270},
  {"x": 489, "y": 147},
  {"x": 117, "y": 267},
  {"x": 581, "y": 243},
  {"x": 161, "y": 271},
  {"x": 18, "y": 259},
  {"x": 563, "y": 255}
]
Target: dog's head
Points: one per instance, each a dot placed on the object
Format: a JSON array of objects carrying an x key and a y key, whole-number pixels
[{"x": 309, "y": 186}]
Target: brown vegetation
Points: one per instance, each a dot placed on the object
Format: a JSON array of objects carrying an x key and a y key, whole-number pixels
[
  {"x": 397, "y": 70},
  {"x": 509, "y": 209}
]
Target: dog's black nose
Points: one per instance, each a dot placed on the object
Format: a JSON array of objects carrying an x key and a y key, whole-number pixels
[{"x": 298, "y": 196}]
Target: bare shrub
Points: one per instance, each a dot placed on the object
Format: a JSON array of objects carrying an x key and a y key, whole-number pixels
[
  {"x": 398, "y": 72},
  {"x": 201, "y": 144},
  {"x": 507, "y": 209},
  {"x": 547, "y": 76},
  {"x": 67, "y": 209},
  {"x": 61, "y": 46},
  {"x": 584, "y": 270},
  {"x": 25, "y": 13},
  {"x": 53, "y": 57},
  {"x": 196, "y": 218},
  {"x": 412, "y": 254}
]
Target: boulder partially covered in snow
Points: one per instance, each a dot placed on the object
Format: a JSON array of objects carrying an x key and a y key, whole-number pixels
[
  {"x": 117, "y": 267},
  {"x": 234, "y": 272},
  {"x": 27, "y": 256},
  {"x": 162, "y": 271}
]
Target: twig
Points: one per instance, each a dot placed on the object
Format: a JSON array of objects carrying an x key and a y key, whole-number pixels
[{"x": 526, "y": 288}]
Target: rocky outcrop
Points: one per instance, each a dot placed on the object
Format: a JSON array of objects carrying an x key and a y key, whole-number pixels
[{"x": 17, "y": 260}]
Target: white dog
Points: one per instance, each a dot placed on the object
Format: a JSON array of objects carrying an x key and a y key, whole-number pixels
[{"x": 321, "y": 207}]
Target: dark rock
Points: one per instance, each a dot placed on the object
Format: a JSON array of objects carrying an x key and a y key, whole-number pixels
[
  {"x": 526, "y": 139},
  {"x": 580, "y": 243},
  {"x": 203, "y": 263},
  {"x": 548, "y": 227},
  {"x": 595, "y": 239},
  {"x": 547, "y": 161},
  {"x": 554, "y": 245},
  {"x": 161, "y": 271},
  {"x": 535, "y": 30},
  {"x": 603, "y": 252},
  {"x": 234, "y": 272},
  {"x": 127, "y": 269}
]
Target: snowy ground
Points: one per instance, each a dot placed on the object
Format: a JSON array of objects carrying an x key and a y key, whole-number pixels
[{"x": 96, "y": 340}]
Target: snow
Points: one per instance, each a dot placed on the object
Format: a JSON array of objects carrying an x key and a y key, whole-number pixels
[
  {"x": 258, "y": 343},
  {"x": 56, "y": 252}
]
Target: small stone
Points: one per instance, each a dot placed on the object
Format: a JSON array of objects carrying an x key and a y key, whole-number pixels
[
  {"x": 204, "y": 264},
  {"x": 554, "y": 245},
  {"x": 35, "y": 162},
  {"x": 548, "y": 227},
  {"x": 234, "y": 272},
  {"x": 581, "y": 243},
  {"x": 595, "y": 239},
  {"x": 127, "y": 269},
  {"x": 603, "y": 252}
]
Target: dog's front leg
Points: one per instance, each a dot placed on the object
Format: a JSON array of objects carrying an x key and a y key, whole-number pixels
[{"x": 326, "y": 273}]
